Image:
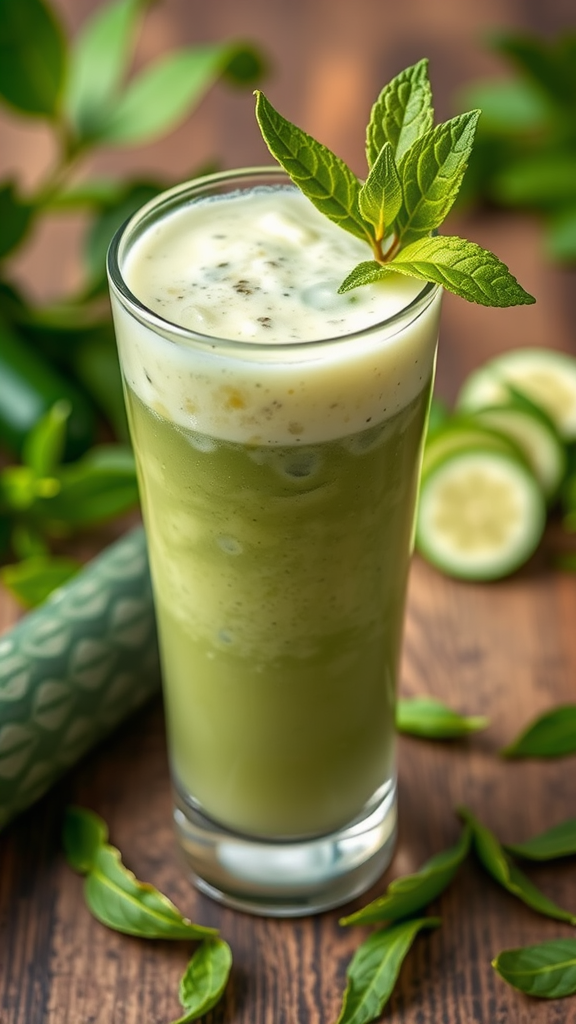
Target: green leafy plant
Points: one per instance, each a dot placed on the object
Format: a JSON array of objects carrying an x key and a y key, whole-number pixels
[
  {"x": 415, "y": 171},
  {"x": 525, "y": 152},
  {"x": 44, "y": 500},
  {"x": 87, "y": 95}
]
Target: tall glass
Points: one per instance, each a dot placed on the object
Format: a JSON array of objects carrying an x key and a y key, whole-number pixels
[{"x": 279, "y": 567}]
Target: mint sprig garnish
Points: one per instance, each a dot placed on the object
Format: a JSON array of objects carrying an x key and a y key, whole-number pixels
[
  {"x": 321, "y": 175},
  {"x": 415, "y": 173},
  {"x": 431, "y": 173},
  {"x": 459, "y": 266},
  {"x": 402, "y": 112}
]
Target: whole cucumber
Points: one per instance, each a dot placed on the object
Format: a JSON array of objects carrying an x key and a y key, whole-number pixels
[
  {"x": 73, "y": 669},
  {"x": 29, "y": 386}
]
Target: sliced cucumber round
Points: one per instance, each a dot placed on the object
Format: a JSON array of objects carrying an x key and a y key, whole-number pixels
[
  {"x": 480, "y": 516},
  {"x": 535, "y": 435},
  {"x": 545, "y": 376},
  {"x": 465, "y": 434}
]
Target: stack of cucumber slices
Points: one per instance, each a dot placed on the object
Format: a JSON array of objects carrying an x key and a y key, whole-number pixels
[{"x": 493, "y": 468}]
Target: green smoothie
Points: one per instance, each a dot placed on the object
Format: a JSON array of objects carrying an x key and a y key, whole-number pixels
[
  {"x": 278, "y": 475},
  {"x": 280, "y": 577}
]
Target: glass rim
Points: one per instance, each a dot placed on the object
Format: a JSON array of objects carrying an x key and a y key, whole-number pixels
[{"x": 196, "y": 187}]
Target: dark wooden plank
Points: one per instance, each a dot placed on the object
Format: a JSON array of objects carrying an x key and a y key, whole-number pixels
[{"x": 507, "y": 650}]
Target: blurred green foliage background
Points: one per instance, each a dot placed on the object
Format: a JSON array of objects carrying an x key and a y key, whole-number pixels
[{"x": 60, "y": 388}]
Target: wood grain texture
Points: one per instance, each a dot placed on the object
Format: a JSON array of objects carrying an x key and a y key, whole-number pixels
[{"x": 507, "y": 650}]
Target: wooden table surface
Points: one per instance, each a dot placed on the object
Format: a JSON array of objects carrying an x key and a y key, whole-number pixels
[{"x": 507, "y": 650}]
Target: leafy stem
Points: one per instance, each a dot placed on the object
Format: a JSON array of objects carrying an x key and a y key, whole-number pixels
[{"x": 415, "y": 173}]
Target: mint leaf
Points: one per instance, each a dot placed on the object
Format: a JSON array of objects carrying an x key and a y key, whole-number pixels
[
  {"x": 421, "y": 188},
  {"x": 15, "y": 216},
  {"x": 322, "y": 176},
  {"x": 113, "y": 893},
  {"x": 402, "y": 112},
  {"x": 547, "y": 971},
  {"x": 44, "y": 445},
  {"x": 33, "y": 57},
  {"x": 558, "y": 841},
  {"x": 205, "y": 979},
  {"x": 380, "y": 198},
  {"x": 553, "y": 734},
  {"x": 374, "y": 969},
  {"x": 83, "y": 832},
  {"x": 365, "y": 273},
  {"x": 431, "y": 173},
  {"x": 429, "y": 718},
  {"x": 410, "y": 893},
  {"x": 459, "y": 266},
  {"x": 165, "y": 92},
  {"x": 504, "y": 871},
  {"x": 98, "y": 61}
]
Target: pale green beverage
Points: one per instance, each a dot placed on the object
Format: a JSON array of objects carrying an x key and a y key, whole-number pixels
[{"x": 278, "y": 476}]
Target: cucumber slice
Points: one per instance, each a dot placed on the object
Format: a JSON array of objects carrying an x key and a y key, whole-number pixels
[
  {"x": 546, "y": 376},
  {"x": 535, "y": 435},
  {"x": 466, "y": 434},
  {"x": 480, "y": 516}
]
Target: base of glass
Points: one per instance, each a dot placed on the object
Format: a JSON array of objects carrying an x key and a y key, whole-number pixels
[{"x": 288, "y": 878}]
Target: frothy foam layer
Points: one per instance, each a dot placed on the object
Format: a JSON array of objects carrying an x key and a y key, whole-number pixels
[{"x": 263, "y": 268}]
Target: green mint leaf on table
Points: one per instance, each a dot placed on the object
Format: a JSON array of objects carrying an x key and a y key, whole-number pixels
[
  {"x": 459, "y": 266},
  {"x": 551, "y": 735},
  {"x": 558, "y": 841},
  {"x": 503, "y": 870},
  {"x": 374, "y": 969},
  {"x": 415, "y": 173},
  {"x": 322, "y": 176},
  {"x": 429, "y": 718},
  {"x": 547, "y": 970},
  {"x": 431, "y": 172},
  {"x": 205, "y": 979},
  {"x": 402, "y": 112},
  {"x": 380, "y": 198},
  {"x": 33, "y": 58},
  {"x": 113, "y": 894},
  {"x": 405, "y": 896}
]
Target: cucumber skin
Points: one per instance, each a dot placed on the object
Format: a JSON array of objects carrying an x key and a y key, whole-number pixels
[
  {"x": 29, "y": 387},
  {"x": 499, "y": 373},
  {"x": 464, "y": 432},
  {"x": 73, "y": 669}
]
